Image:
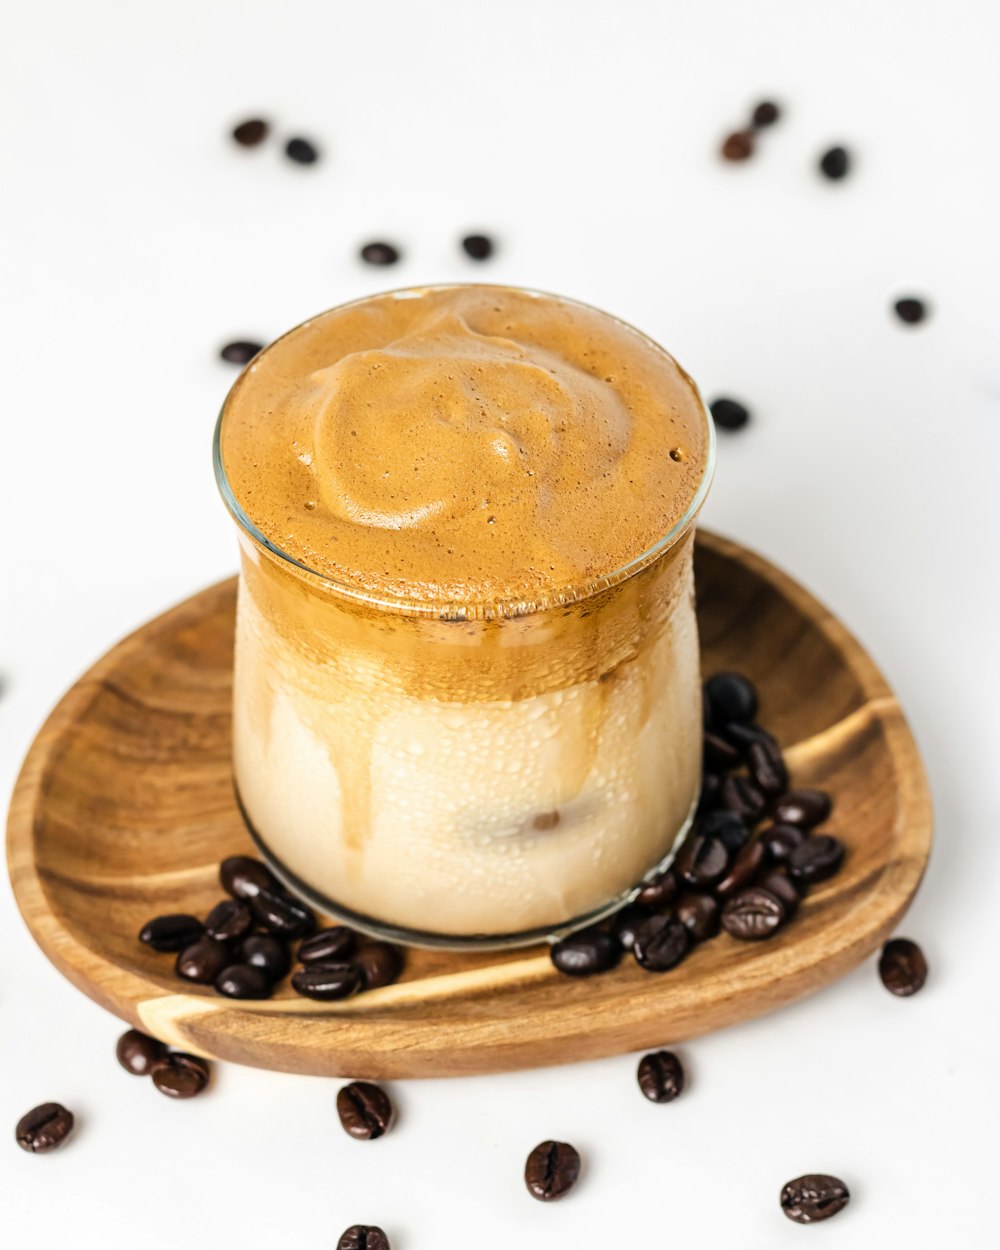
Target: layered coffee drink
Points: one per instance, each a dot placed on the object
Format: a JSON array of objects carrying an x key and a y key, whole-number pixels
[{"x": 467, "y": 699}]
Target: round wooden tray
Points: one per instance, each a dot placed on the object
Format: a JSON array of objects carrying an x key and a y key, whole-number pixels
[{"x": 124, "y": 808}]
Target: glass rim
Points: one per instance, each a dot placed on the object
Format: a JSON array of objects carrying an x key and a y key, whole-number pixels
[{"x": 471, "y": 609}]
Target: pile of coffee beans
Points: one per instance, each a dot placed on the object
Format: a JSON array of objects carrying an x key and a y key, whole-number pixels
[
  {"x": 175, "y": 1073},
  {"x": 749, "y": 858},
  {"x": 243, "y": 947}
]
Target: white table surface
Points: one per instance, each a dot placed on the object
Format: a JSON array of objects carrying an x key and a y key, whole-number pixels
[{"x": 137, "y": 239}]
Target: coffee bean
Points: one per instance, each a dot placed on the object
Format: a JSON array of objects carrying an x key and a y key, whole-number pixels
[
  {"x": 781, "y": 840},
  {"x": 835, "y": 163},
  {"x": 812, "y": 1198},
  {"x": 137, "y": 1052},
  {"x": 240, "y": 351},
  {"x": 244, "y": 981},
  {"x": 585, "y": 953},
  {"x": 281, "y": 914},
  {"x": 228, "y": 920},
  {"x": 379, "y": 254},
  {"x": 171, "y": 933},
  {"x": 180, "y": 1075},
  {"x": 625, "y": 924},
  {"x": 249, "y": 133},
  {"x": 267, "y": 953},
  {"x": 709, "y": 793},
  {"x": 777, "y": 882},
  {"x": 661, "y": 1076},
  {"x": 765, "y": 114},
  {"x": 816, "y": 859},
  {"x": 658, "y": 893},
  {"x": 551, "y": 1170},
  {"x": 729, "y": 827},
  {"x": 365, "y": 1110},
  {"x": 363, "y": 1237},
  {"x": 805, "y": 808},
  {"x": 326, "y": 982},
  {"x": 902, "y": 967},
  {"x": 301, "y": 151},
  {"x": 729, "y": 414},
  {"x": 767, "y": 767},
  {"x": 328, "y": 946},
  {"x": 243, "y": 877},
  {"x": 733, "y": 696},
  {"x": 378, "y": 964},
  {"x": 744, "y": 868},
  {"x": 753, "y": 914},
  {"x": 203, "y": 960},
  {"x": 743, "y": 735},
  {"x": 737, "y": 146},
  {"x": 699, "y": 914},
  {"x": 701, "y": 861},
  {"x": 44, "y": 1128},
  {"x": 660, "y": 944},
  {"x": 741, "y": 795},
  {"x": 910, "y": 311},
  {"x": 719, "y": 755},
  {"x": 478, "y": 246}
]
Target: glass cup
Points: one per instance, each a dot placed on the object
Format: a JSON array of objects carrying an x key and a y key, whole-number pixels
[{"x": 464, "y": 775}]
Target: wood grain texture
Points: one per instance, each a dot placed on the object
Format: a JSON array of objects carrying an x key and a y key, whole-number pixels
[{"x": 124, "y": 808}]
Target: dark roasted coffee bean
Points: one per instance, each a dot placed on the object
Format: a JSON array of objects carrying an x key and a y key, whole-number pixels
[
  {"x": 551, "y": 1170},
  {"x": 44, "y": 1128},
  {"x": 743, "y": 869},
  {"x": 729, "y": 414},
  {"x": 658, "y": 893},
  {"x": 835, "y": 163},
  {"x": 244, "y": 981},
  {"x": 701, "y": 861},
  {"x": 249, "y": 133},
  {"x": 379, "y": 254},
  {"x": 180, "y": 1075},
  {"x": 902, "y": 967},
  {"x": 737, "y": 146},
  {"x": 729, "y": 827},
  {"x": 243, "y": 877},
  {"x": 301, "y": 151},
  {"x": 365, "y": 1110},
  {"x": 805, "y": 808},
  {"x": 478, "y": 246},
  {"x": 752, "y": 915},
  {"x": 777, "y": 882},
  {"x": 328, "y": 946},
  {"x": 625, "y": 924},
  {"x": 812, "y": 1198},
  {"x": 281, "y": 914},
  {"x": 171, "y": 933},
  {"x": 660, "y": 944},
  {"x": 363, "y": 1237},
  {"x": 661, "y": 1076},
  {"x": 741, "y": 795},
  {"x": 585, "y": 953},
  {"x": 326, "y": 982},
  {"x": 719, "y": 755},
  {"x": 137, "y": 1052},
  {"x": 744, "y": 735},
  {"x": 733, "y": 696},
  {"x": 203, "y": 960},
  {"x": 781, "y": 840},
  {"x": 699, "y": 914},
  {"x": 910, "y": 311},
  {"x": 816, "y": 859},
  {"x": 240, "y": 351},
  {"x": 710, "y": 784},
  {"x": 228, "y": 920},
  {"x": 767, "y": 767},
  {"x": 269, "y": 954},
  {"x": 378, "y": 964},
  {"x": 765, "y": 114}
]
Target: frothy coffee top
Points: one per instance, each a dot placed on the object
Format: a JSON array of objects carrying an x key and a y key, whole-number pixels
[{"x": 465, "y": 444}]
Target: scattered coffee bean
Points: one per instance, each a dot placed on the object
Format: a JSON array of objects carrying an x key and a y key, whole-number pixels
[
  {"x": 816, "y": 859},
  {"x": 267, "y": 953},
  {"x": 171, "y": 933},
  {"x": 363, "y": 1237},
  {"x": 719, "y": 754},
  {"x": 661, "y": 1076},
  {"x": 729, "y": 827},
  {"x": 835, "y": 163},
  {"x": 699, "y": 914},
  {"x": 244, "y": 877},
  {"x": 728, "y": 414},
  {"x": 328, "y": 946},
  {"x": 551, "y": 1170},
  {"x": 625, "y": 924},
  {"x": 660, "y": 944},
  {"x": 137, "y": 1052},
  {"x": 585, "y": 953},
  {"x": 301, "y": 151},
  {"x": 378, "y": 964},
  {"x": 326, "y": 982},
  {"x": 738, "y": 146},
  {"x": 701, "y": 861},
  {"x": 812, "y": 1198},
  {"x": 741, "y": 795},
  {"x": 179, "y": 1075},
  {"x": 244, "y": 981},
  {"x": 240, "y": 351},
  {"x": 228, "y": 920},
  {"x": 767, "y": 766},
  {"x": 777, "y": 882},
  {"x": 203, "y": 960},
  {"x": 281, "y": 914},
  {"x": 44, "y": 1128},
  {"x": 365, "y": 1110},
  {"x": 249, "y": 133},
  {"x": 765, "y": 114},
  {"x": 752, "y": 915},
  {"x": 733, "y": 696},
  {"x": 781, "y": 840},
  {"x": 478, "y": 246},
  {"x": 902, "y": 967},
  {"x": 658, "y": 893},
  {"x": 805, "y": 808},
  {"x": 910, "y": 311},
  {"x": 744, "y": 868},
  {"x": 379, "y": 254}
]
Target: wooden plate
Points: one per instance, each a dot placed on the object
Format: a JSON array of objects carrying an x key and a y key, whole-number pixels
[{"x": 124, "y": 808}]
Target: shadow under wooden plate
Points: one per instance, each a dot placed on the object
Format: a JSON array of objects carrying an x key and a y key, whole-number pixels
[{"x": 124, "y": 808}]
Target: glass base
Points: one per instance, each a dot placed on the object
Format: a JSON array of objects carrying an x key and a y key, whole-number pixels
[{"x": 450, "y": 941}]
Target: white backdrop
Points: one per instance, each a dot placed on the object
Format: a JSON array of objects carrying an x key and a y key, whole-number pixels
[{"x": 137, "y": 239}]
